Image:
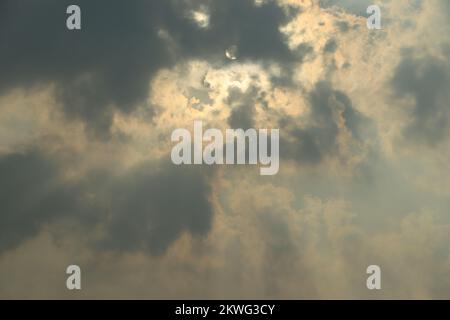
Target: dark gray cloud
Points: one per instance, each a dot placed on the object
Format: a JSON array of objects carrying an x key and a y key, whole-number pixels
[
  {"x": 32, "y": 194},
  {"x": 145, "y": 209},
  {"x": 243, "y": 106},
  {"x": 241, "y": 117},
  {"x": 150, "y": 209},
  {"x": 343, "y": 26},
  {"x": 108, "y": 64},
  {"x": 201, "y": 94},
  {"x": 331, "y": 46},
  {"x": 319, "y": 138},
  {"x": 426, "y": 80},
  {"x": 358, "y": 7}
]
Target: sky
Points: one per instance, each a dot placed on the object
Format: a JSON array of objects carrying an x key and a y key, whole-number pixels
[{"x": 86, "y": 178}]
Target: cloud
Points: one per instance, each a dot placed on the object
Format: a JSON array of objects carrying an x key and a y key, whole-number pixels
[
  {"x": 331, "y": 115},
  {"x": 33, "y": 194},
  {"x": 108, "y": 65},
  {"x": 331, "y": 46},
  {"x": 146, "y": 208},
  {"x": 243, "y": 107},
  {"x": 151, "y": 209},
  {"x": 358, "y": 183},
  {"x": 358, "y": 7},
  {"x": 426, "y": 81}
]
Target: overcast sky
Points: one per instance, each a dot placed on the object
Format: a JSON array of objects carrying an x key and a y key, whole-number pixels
[{"x": 86, "y": 178}]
